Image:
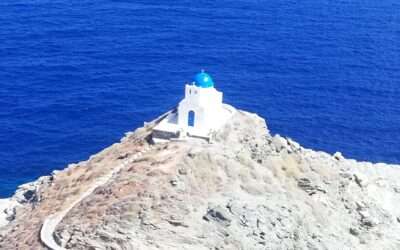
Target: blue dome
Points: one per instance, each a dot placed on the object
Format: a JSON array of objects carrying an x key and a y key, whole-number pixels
[{"x": 203, "y": 80}]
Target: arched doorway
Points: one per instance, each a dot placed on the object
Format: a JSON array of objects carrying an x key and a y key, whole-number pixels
[{"x": 191, "y": 118}]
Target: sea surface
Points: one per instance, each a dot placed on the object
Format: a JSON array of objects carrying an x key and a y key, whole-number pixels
[{"x": 76, "y": 75}]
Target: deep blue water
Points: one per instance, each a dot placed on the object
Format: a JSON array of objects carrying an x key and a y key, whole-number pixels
[{"x": 76, "y": 75}]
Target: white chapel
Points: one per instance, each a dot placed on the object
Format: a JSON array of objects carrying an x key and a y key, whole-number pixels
[{"x": 199, "y": 114}]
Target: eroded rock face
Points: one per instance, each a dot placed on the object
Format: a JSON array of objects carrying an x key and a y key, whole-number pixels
[
  {"x": 26, "y": 196},
  {"x": 245, "y": 190}
]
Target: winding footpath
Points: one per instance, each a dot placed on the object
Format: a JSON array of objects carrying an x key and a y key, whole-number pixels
[{"x": 51, "y": 222}]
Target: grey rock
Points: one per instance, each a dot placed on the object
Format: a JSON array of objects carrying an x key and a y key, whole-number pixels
[
  {"x": 279, "y": 142},
  {"x": 246, "y": 190},
  {"x": 219, "y": 215},
  {"x": 354, "y": 231},
  {"x": 360, "y": 179},
  {"x": 10, "y": 213},
  {"x": 338, "y": 156},
  {"x": 26, "y": 193}
]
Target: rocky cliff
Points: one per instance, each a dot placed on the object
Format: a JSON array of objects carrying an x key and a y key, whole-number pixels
[{"x": 245, "y": 190}]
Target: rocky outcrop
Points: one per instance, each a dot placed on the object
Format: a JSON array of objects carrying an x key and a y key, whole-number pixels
[
  {"x": 27, "y": 195},
  {"x": 245, "y": 190}
]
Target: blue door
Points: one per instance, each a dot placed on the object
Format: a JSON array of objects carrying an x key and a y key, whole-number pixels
[{"x": 191, "y": 118}]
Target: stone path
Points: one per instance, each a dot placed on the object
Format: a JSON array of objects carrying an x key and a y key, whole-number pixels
[{"x": 51, "y": 222}]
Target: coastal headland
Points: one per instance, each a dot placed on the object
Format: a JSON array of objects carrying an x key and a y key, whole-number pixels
[{"x": 243, "y": 189}]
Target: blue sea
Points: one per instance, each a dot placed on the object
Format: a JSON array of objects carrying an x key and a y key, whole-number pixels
[{"x": 76, "y": 75}]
